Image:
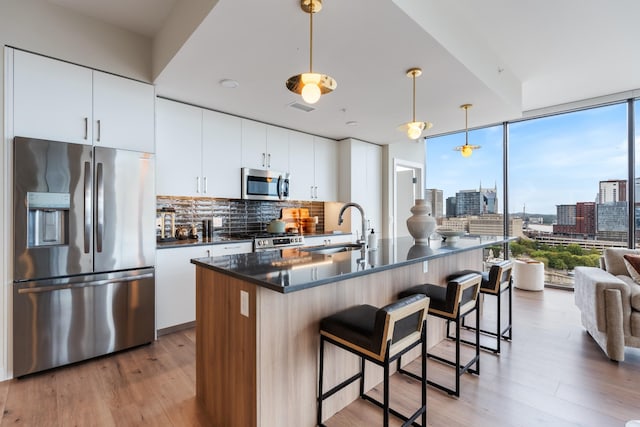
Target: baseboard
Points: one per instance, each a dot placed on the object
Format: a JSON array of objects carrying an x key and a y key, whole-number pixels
[{"x": 176, "y": 328}]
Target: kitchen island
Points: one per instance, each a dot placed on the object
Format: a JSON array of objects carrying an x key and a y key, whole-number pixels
[{"x": 257, "y": 322}]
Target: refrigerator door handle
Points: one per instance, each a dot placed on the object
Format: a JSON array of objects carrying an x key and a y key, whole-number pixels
[
  {"x": 87, "y": 207},
  {"x": 84, "y": 284},
  {"x": 100, "y": 206}
]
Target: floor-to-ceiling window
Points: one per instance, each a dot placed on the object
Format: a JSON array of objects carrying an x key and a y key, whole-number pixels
[
  {"x": 636, "y": 186},
  {"x": 568, "y": 184},
  {"x": 466, "y": 193}
]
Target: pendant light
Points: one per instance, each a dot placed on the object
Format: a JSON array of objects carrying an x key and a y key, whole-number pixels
[
  {"x": 466, "y": 149},
  {"x": 413, "y": 128},
  {"x": 311, "y": 85}
]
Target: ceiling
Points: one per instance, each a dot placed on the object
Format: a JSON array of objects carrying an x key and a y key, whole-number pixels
[{"x": 503, "y": 56}]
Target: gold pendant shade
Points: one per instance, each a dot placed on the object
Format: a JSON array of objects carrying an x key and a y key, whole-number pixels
[
  {"x": 414, "y": 128},
  {"x": 311, "y": 85}
]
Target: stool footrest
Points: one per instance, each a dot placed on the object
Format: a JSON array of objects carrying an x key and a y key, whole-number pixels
[
  {"x": 340, "y": 386},
  {"x": 461, "y": 368},
  {"x": 408, "y": 421}
]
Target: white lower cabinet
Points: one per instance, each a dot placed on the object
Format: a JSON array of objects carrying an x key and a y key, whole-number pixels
[
  {"x": 176, "y": 280},
  {"x": 331, "y": 239}
]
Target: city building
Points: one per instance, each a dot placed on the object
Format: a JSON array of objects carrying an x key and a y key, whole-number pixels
[
  {"x": 614, "y": 190},
  {"x": 566, "y": 219},
  {"x": 434, "y": 198},
  {"x": 586, "y": 218},
  {"x": 451, "y": 207},
  {"x": 477, "y": 202},
  {"x": 612, "y": 220},
  {"x": 492, "y": 225}
]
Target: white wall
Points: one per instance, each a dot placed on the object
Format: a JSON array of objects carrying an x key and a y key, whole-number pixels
[{"x": 51, "y": 30}]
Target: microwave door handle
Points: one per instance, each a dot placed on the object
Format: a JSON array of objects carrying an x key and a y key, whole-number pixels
[
  {"x": 100, "y": 206},
  {"x": 280, "y": 184},
  {"x": 87, "y": 207}
]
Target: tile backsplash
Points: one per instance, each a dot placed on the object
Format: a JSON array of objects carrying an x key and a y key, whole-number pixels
[{"x": 237, "y": 216}]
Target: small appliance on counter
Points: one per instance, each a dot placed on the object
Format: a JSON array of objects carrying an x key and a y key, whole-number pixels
[{"x": 162, "y": 215}]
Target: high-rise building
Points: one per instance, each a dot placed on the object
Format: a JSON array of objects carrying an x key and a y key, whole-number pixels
[
  {"x": 586, "y": 218},
  {"x": 566, "y": 219},
  {"x": 451, "y": 207},
  {"x": 434, "y": 198},
  {"x": 613, "y": 190},
  {"x": 477, "y": 202},
  {"x": 613, "y": 221}
]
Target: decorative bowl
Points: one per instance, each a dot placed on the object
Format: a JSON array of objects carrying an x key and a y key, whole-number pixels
[{"x": 449, "y": 234}]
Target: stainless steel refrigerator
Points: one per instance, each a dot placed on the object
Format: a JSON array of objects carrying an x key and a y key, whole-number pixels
[{"x": 84, "y": 250}]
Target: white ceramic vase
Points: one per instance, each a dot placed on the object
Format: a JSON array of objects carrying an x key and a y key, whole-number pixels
[{"x": 421, "y": 224}]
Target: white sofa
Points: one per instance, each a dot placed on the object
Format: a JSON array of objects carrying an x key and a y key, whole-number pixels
[{"x": 609, "y": 303}]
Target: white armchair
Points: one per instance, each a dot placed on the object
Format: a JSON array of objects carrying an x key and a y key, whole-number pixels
[{"x": 609, "y": 303}]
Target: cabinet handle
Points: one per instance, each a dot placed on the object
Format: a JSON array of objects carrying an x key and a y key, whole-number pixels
[
  {"x": 263, "y": 159},
  {"x": 98, "y": 131},
  {"x": 86, "y": 128},
  {"x": 315, "y": 192},
  {"x": 311, "y": 190},
  {"x": 269, "y": 160},
  {"x": 205, "y": 185},
  {"x": 208, "y": 253},
  {"x": 197, "y": 184}
]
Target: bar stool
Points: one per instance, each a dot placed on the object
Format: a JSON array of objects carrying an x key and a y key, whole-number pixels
[
  {"x": 494, "y": 282},
  {"x": 379, "y": 335},
  {"x": 452, "y": 303}
]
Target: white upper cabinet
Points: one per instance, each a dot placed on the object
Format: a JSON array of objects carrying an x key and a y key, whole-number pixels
[
  {"x": 326, "y": 169},
  {"x": 221, "y": 154},
  {"x": 254, "y": 144},
  {"x": 178, "y": 149},
  {"x": 52, "y": 99},
  {"x": 197, "y": 151},
  {"x": 313, "y": 167},
  {"x": 301, "y": 166},
  {"x": 123, "y": 113},
  {"x": 59, "y": 101},
  {"x": 277, "y": 149},
  {"x": 264, "y": 146}
]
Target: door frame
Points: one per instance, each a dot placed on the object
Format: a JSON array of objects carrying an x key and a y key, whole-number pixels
[{"x": 405, "y": 164}]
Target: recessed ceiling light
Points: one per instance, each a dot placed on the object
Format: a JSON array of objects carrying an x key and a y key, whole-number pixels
[
  {"x": 351, "y": 123},
  {"x": 229, "y": 83}
]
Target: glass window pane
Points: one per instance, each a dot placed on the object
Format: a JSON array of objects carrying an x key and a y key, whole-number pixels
[
  {"x": 466, "y": 193},
  {"x": 568, "y": 182}
]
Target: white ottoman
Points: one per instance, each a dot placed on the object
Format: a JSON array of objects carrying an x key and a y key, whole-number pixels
[{"x": 528, "y": 275}]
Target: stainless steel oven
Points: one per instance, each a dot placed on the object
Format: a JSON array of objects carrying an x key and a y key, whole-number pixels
[
  {"x": 263, "y": 243},
  {"x": 258, "y": 184}
]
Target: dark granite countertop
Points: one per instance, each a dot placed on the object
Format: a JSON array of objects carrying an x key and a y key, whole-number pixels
[
  {"x": 294, "y": 269},
  {"x": 222, "y": 239}
]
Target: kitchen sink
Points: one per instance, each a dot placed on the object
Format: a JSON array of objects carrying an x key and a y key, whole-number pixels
[{"x": 332, "y": 249}]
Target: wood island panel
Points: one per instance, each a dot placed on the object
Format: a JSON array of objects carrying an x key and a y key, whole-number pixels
[{"x": 268, "y": 364}]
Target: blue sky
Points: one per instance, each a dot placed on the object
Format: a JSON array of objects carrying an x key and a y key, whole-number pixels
[{"x": 553, "y": 160}]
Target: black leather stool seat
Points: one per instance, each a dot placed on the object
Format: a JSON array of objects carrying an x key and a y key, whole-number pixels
[
  {"x": 494, "y": 282},
  {"x": 379, "y": 335},
  {"x": 452, "y": 302},
  {"x": 358, "y": 325},
  {"x": 442, "y": 298}
]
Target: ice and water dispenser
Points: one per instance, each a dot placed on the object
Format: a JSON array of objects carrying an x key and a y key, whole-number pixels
[{"x": 48, "y": 219}]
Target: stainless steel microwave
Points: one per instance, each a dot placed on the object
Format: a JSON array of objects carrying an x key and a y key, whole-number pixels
[{"x": 260, "y": 184}]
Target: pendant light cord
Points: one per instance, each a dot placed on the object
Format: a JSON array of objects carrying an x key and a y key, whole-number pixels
[
  {"x": 311, "y": 38},
  {"x": 414, "y": 96},
  {"x": 466, "y": 126}
]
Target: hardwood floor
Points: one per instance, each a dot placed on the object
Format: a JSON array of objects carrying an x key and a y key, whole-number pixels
[{"x": 552, "y": 374}]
